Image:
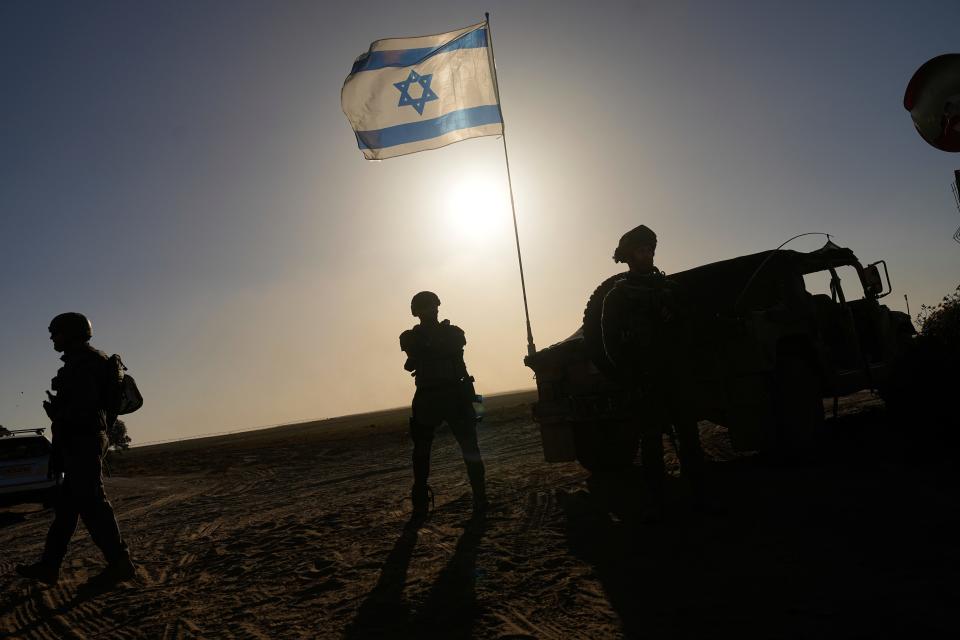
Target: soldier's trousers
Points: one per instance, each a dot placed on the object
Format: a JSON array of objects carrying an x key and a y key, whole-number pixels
[
  {"x": 666, "y": 411},
  {"x": 430, "y": 409},
  {"x": 82, "y": 496}
]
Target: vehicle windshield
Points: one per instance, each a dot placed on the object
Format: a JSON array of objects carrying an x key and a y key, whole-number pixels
[
  {"x": 20, "y": 448},
  {"x": 818, "y": 283}
]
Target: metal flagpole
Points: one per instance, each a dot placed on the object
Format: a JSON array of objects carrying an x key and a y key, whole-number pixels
[{"x": 531, "y": 348}]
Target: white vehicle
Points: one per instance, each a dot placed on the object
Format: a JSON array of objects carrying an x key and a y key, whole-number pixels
[{"x": 24, "y": 463}]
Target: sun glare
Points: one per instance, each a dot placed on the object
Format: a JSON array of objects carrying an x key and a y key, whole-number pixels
[{"x": 477, "y": 208}]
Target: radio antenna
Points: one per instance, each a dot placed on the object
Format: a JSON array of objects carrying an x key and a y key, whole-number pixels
[
  {"x": 770, "y": 255},
  {"x": 955, "y": 188}
]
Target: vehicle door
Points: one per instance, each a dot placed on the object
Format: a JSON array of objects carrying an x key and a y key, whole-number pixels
[{"x": 841, "y": 311}]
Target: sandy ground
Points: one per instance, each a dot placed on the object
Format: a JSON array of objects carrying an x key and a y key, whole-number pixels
[{"x": 299, "y": 532}]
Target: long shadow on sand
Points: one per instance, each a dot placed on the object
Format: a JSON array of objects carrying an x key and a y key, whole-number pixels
[
  {"x": 859, "y": 544},
  {"x": 47, "y": 617},
  {"x": 451, "y": 606},
  {"x": 385, "y": 612}
]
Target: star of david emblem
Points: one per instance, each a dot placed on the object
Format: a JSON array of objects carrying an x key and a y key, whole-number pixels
[{"x": 426, "y": 94}]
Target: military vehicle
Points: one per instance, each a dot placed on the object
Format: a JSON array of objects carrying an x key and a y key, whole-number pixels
[
  {"x": 770, "y": 335},
  {"x": 24, "y": 462}
]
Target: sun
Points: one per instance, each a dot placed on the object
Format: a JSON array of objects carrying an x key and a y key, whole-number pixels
[{"x": 477, "y": 208}]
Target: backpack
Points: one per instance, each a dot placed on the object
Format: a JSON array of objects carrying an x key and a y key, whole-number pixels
[{"x": 122, "y": 395}]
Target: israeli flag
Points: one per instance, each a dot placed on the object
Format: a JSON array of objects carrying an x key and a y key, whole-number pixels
[{"x": 413, "y": 94}]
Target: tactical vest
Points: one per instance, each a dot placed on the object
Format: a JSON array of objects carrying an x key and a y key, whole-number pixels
[
  {"x": 80, "y": 386},
  {"x": 643, "y": 325},
  {"x": 436, "y": 354}
]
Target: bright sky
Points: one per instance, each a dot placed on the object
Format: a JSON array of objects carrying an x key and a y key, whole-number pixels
[{"x": 182, "y": 173}]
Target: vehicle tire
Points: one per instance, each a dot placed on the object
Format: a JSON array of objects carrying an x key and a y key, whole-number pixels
[
  {"x": 592, "y": 328},
  {"x": 798, "y": 410},
  {"x": 898, "y": 392},
  {"x": 922, "y": 387},
  {"x": 604, "y": 447}
]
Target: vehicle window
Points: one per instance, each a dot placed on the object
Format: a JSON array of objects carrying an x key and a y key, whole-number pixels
[
  {"x": 818, "y": 283},
  {"x": 18, "y": 448},
  {"x": 850, "y": 281}
]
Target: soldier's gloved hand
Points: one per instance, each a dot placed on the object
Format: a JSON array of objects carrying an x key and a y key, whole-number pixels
[{"x": 48, "y": 405}]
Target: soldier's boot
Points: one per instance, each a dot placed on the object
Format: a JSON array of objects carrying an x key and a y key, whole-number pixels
[
  {"x": 480, "y": 503},
  {"x": 43, "y": 571},
  {"x": 421, "y": 496},
  {"x": 120, "y": 569},
  {"x": 478, "y": 487},
  {"x": 693, "y": 469}
]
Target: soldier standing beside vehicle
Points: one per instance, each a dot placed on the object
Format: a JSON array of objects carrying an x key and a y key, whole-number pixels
[
  {"x": 80, "y": 417},
  {"x": 444, "y": 392},
  {"x": 643, "y": 326}
]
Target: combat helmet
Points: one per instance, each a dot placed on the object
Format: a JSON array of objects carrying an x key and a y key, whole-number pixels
[
  {"x": 72, "y": 324},
  {"x": 424, "y": 300},
  {"x": 636, "y": 237}
]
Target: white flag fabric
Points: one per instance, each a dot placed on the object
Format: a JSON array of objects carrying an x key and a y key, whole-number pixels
[{"x": 412, "y": 94}]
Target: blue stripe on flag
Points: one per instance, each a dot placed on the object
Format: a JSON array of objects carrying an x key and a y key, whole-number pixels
[
  {"x": 415, "y": 131},
  {"x": 407, "y": 57}
]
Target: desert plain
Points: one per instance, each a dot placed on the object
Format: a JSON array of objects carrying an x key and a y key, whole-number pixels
[{"x": 303, "y": 531}]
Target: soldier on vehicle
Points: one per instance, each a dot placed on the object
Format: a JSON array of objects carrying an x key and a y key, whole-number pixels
[
  {"x": 80, "y": 414},
  {"x": 444, "y": 393},
  {"x": 643, "y": 326}
]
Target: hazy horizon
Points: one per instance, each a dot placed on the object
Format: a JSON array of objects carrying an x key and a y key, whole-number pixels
[{"x": 183, "y": 174}]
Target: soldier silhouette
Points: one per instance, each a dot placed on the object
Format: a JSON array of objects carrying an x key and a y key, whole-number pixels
[
  {"x": 643, "y": 323},
  {"x": 444, "y": 392},
  {"x": 80, "y": 418}
]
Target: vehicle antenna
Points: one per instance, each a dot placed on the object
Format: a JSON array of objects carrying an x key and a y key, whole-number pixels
[
  {"x": 767, "y": 259},
  {"x": 955, "y": 188}
]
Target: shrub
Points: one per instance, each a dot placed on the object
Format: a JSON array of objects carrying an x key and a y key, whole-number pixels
[
  {"x": 117, "y": 435},
  {"x": 941, "y": 322}
]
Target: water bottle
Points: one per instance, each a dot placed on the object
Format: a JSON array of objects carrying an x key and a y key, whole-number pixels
[{"x": 478, "y": 406}]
